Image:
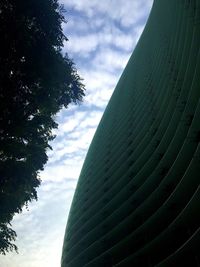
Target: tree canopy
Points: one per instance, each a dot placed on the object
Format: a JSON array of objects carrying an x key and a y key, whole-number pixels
[{"x": 36, "y": 81}]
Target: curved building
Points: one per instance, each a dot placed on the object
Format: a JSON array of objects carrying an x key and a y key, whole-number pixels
[{"x": 138, "y": 196}]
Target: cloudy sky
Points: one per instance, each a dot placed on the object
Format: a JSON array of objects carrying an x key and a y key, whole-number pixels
[{"x": 102, "y": 35}]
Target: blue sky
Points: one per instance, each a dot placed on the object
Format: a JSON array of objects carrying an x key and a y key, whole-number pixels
[{"x": 102, "y": 35}]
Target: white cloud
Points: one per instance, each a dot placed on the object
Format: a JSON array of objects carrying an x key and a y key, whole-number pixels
[
  {"x": 106, "y": 37},
  {"x": 111, "y": 60},
  {"x": 126, "y": 12},
  {"x": 82, "y": 44},
  {"x": 60, "y": 172},
  {"x": 69, "y": 123},
  {"x": 73, "y": 138},
  {"x": 103, "y": 23}
]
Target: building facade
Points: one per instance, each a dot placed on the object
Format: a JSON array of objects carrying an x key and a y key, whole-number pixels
[{"x": 138, "y": 196}]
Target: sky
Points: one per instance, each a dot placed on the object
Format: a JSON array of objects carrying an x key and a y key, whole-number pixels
[{"x": 102, "y": 35}]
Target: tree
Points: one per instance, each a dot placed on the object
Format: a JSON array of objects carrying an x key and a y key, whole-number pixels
[{"x": 36, "y": 81}]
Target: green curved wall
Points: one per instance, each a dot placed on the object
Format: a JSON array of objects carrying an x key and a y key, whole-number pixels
[{"x": 138, "y": 196}]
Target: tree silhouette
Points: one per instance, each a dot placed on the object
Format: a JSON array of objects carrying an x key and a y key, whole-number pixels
[{"x": 36, "y": 81}]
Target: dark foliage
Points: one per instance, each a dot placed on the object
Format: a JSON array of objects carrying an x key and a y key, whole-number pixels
[{"x": 36, "y": 81}]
